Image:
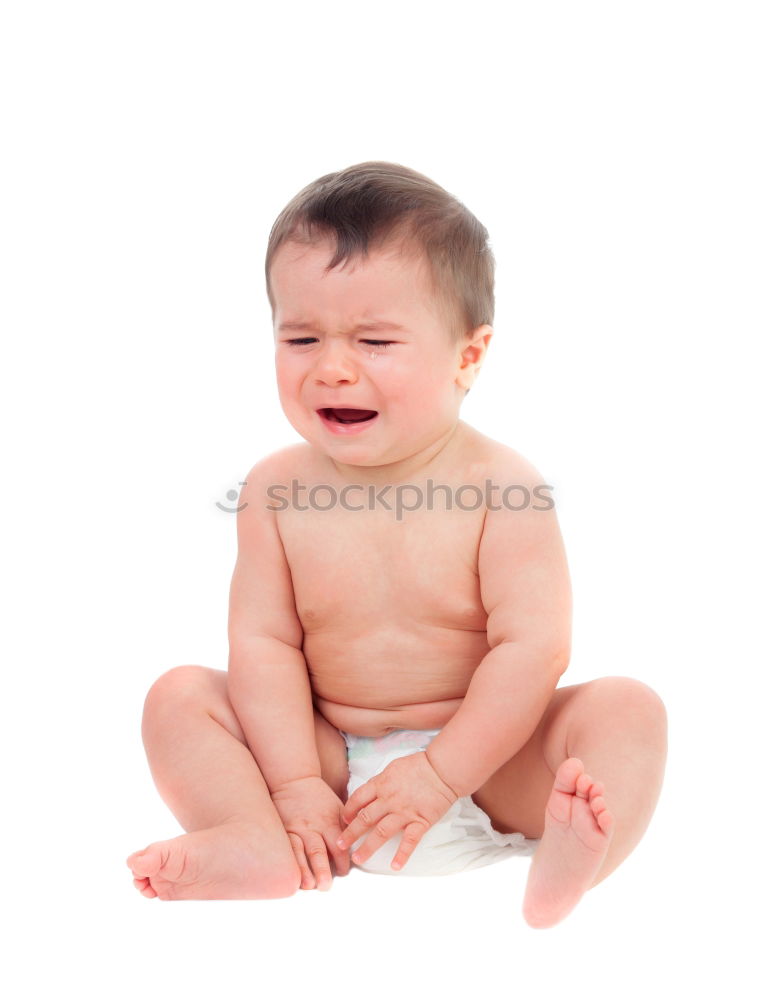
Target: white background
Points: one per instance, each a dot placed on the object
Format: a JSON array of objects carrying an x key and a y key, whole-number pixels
[{"x": 618, "y": 155}]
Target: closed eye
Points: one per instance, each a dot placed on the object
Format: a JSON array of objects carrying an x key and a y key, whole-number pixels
[{"x": 301, "y": 341}]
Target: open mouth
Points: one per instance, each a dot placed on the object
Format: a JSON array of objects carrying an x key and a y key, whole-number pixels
[{"x": 347, "y": 415}]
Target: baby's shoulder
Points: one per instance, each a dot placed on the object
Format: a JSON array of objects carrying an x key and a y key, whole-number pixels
[
  {"x": 274, "y": 470},
  {"x": 283, "y": 460},
  {"x": 494, "y": 460}
]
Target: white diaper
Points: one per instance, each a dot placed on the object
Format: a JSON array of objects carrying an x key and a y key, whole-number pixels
[{"x": 462, "y": 839}]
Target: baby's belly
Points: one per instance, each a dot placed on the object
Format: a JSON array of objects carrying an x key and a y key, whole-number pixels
[
  {"x": 379, "y": 721},
  {"x": 370, "y": 684}
]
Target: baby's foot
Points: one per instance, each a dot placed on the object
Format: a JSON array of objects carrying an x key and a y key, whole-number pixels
[
  {"x": 577, "y": 834},
  {"x": 223, "y": 862}
]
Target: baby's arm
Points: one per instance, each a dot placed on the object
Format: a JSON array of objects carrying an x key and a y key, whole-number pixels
[
  {"x": 269, "y": 686},
  {"x": 525, "y": 589},
  {"x": 267, "y": 677}
]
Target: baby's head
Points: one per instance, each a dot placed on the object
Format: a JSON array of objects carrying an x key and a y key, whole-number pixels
[
  {"x": 378, "y": 205},
  {"x": 373, "y": 248}
]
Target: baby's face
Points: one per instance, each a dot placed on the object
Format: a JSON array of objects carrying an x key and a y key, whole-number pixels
[{"x": 367, "y": 337}]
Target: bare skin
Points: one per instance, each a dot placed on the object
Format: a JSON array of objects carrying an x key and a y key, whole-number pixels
[
  {"x": 391, "y": 622},
  {"x": 574, "y": 818},
  {"x": 236, "y": 846},
  {"x": 576, "y": 837}
]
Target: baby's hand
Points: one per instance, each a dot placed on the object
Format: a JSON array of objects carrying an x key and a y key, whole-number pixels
[
  {"x": 310, "y": 812},
  {"x": 407, "y": 795}
]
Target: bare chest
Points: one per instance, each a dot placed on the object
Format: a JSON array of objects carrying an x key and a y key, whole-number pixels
[
  {"x": 356, "y": 571},
  {"x": 393, "y": 622}
]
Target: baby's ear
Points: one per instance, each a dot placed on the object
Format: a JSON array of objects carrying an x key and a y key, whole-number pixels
[{"x": 472, "y": 356}]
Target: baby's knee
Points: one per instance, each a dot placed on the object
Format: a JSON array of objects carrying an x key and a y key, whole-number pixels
[
  {"x": 180, "y": 684},
  {"x": 630, "y": 700}
]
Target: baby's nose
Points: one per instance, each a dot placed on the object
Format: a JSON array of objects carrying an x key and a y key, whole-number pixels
[{"x": 334, "y": 364}]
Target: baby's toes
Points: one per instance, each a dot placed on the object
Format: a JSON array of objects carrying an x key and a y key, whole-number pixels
[
  {"x": 583, "y": 785},
  {"x": 602, "y": 815},
  {"x": 567, "y": 774},
  {"x": 596, "y": 789},
  {"x": 143, "y": 885},
  {"x": 145, "y": 863}
]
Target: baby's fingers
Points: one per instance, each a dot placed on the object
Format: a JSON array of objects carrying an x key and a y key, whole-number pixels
[
  {"x": 379, "y": 835},
  {"x": 361, "y": 796},
  {"x": 413, "y": 834},
  {"x": 307, "y": 881},
  {"x": 340, "y": 855},
  {"x": 315, "y": 849},
  {"x": 362, "y": 821}
]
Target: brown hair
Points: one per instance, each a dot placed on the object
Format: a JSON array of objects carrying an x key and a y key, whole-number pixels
[{"x": 376, "y": 203}]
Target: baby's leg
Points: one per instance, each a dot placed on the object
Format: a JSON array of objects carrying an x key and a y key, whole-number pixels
[
  {"x": 605, "y": 739},
  {"x": 236, "y": 846}
]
